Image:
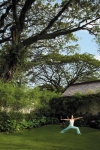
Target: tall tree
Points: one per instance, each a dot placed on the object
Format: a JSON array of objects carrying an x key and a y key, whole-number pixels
[
  {"x": 27, "y": 23},
  {"x": 61, "y": 71}
]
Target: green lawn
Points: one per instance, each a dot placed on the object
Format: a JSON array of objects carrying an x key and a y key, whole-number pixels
[{"x": 49, "y": 138}]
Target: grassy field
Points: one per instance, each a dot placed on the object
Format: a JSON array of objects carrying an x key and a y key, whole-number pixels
[{"x": 49, "y": 138}]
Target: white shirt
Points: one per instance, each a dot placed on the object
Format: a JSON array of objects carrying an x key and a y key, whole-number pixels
[{"x": 71, "y": 122}]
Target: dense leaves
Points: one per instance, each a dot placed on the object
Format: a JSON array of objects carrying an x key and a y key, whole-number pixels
[
  {"x": 12, "y": 97},
  {"x": 60, "y": 70},
  {"x": 31, "y": 25}
]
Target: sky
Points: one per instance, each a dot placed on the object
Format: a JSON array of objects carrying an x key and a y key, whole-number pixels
[{"x": 87, "y": 43}]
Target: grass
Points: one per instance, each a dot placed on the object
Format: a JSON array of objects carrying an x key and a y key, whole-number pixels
[{"x": 49, "y": 138}]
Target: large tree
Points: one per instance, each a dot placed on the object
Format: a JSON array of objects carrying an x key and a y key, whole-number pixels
[
  {"x": 60, "y": 70},
  {"x": 27, "y": 24}
]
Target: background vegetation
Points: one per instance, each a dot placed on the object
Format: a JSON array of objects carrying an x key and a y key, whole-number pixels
[{"x": 47, "y": 107}]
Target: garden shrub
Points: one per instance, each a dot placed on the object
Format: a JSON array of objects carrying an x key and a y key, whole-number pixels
[
  {"x": 9, "y": 121},
  {"x": 49, "y": 108},
  {"x": 13, "y": 97},
  {"x": 3, "y": 120}
]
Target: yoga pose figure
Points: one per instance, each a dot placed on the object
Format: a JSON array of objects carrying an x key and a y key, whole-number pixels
[{"x": 71, "y": 125}]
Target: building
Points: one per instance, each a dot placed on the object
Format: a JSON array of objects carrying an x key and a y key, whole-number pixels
[
  {"x": 85, "y": 88},
  {"x": 90, "y": 87}
]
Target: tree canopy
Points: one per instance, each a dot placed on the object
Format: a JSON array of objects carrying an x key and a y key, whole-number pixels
[
  {"x": 33, "y": 24},
  {"x": 60, "y": 70}
]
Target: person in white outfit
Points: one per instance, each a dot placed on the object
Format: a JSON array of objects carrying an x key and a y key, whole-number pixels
[{"x": 71, "y": 124}]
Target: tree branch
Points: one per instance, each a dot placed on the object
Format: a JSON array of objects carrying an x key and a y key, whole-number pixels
[
  {"x": 56, "y": 17},
  {"x": 53, "y": 35},
  {"x": 22, "y": 16},
  {"x": 89, "y": 23},
  {"x": 4, "y": 15},
  {"x": 2, "y": 31},
  {"x": 14, "y": 2},
  {"x": 57, "y": 33}
]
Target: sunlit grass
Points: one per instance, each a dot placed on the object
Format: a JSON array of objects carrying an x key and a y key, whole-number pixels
[{"x": 49, "y": 138}]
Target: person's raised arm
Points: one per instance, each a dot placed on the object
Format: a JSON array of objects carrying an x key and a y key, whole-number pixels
[{"x": 78, "y": 118}]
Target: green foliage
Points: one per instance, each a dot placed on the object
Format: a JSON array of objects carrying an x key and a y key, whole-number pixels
[
  {"x": 82, "y": 122},
  {"x": 78, "y": 94},
  {"x": 6, "y": 94},
  {"x": 60, "y": 71},
  {"x": 49, "y": 113},
  {"x": 41, "y": 98},
  {"x": 97, "y": 39},
  {"x": 10, "y": 122},
  {"x": 48, "y": 107},
  {"x": 13, "y": 97},
  {"x": 13, "y": 121},
  {"x": 51, "y": 27},
  {"x": 65, "y": 106},
  {"x": 52, "y": 120}
]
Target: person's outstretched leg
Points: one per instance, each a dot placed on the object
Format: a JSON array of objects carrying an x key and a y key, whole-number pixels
[
  {"x": 77, "y": 129},
  {"x": 64, "y": 130}
]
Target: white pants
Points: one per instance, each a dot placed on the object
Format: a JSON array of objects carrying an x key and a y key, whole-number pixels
[{"x": 71, "y": 127}]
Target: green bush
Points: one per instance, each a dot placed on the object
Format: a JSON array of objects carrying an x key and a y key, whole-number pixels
[
  {"x": 98, "y": 124},
  {"x": 10, "y": 122},
  {"x": 13, "y": 97},
  {"x": 3, "y": 120},
  {"x": 48, "y": 108}
]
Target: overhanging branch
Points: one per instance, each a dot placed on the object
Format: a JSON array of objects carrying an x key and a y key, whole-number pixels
[
  {"x": 53, "y": 35},
  {"x": 22, "y": 16},
  {"x": 56, "y": 17}
]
